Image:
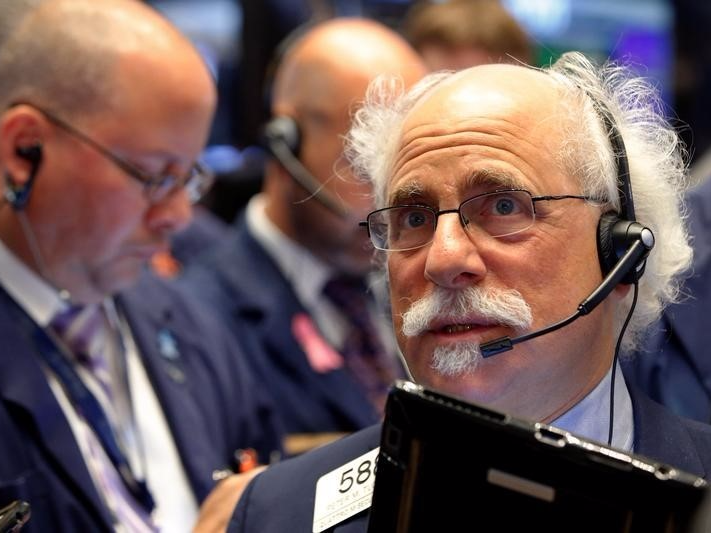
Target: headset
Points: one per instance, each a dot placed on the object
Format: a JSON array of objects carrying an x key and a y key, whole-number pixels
[
  {"x": 623, "y": 244},
  {"x": 616, "y": 233},
  {"x": 17, "y": 195},
  {"x": 281, "y": 137}
]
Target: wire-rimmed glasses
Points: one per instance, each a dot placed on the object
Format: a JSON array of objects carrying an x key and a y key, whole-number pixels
[{"x": 499, "y": 213}]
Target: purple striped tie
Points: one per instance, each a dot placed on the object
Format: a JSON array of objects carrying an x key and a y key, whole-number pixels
[{"x": 84, "y": 330}]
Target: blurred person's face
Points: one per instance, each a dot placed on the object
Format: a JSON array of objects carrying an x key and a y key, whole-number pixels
[
  {"x": 95, "y": 225},
  {"x": 324, "y": 118},
  {"x": 320, "y": 84},
  {"x": 495, "y": 128}
]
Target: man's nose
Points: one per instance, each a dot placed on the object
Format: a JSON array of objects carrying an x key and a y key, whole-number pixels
[
  {"x": 453, "y": 258},
  {"x": 172, "y": 214}
]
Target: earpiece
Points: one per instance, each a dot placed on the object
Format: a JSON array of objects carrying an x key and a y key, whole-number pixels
[
  {"x": 32, "y": 153},
  {"x": 282, "y": 138},
  {"x": 17, "y": 195},
  {"x": 281, "y": 130}
]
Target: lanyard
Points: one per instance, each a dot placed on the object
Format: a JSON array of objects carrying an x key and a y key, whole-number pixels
[{"x": 88, "y": 406}]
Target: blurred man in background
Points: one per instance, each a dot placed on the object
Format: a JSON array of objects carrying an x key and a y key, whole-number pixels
[{"x": 505, "y": 202}]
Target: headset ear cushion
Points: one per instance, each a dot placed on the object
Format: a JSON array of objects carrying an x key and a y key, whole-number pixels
[
  {"x": 614, "y": 237},
  {"x": 282, "y": 130},
  {"x": 605, "y": 245}
]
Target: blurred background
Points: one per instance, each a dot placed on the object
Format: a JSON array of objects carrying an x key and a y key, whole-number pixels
[{"x": 665, "y": 40}]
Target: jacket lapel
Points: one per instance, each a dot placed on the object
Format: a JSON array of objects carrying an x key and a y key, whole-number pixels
[{"x": 162, "y": 344}]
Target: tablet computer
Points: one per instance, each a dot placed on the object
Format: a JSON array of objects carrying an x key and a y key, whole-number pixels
[{"x": 449, "y": 465}]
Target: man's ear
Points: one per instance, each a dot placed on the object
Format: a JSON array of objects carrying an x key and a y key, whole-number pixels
[{"x": 21, "y": 131}]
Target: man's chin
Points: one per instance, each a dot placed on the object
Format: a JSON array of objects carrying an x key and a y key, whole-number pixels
[{"x": 456, "y": 360}]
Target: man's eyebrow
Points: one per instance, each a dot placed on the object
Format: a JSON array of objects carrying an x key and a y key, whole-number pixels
[
  {"x": 488, "y": 178},
  {"x": 407, "y": 193}
]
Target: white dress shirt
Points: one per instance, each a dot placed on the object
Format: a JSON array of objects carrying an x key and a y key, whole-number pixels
[
  {"x": 590, "y": 417},
  {"x": 294, "y": 261}
]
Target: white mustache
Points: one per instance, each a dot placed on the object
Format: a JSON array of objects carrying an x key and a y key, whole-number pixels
[{"x": 504, "y": 307}]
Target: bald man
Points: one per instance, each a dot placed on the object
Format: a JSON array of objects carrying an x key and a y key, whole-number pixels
[
  {"x": 497, "y": 191},
  {"x": 119, "y": 397},
  {"x": 326, "y": 369}
]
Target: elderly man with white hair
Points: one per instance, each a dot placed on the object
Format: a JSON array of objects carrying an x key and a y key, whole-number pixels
[{"x": 518, "y": 265}]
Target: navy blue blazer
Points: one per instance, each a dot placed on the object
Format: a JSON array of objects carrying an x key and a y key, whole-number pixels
[
  {"x": 211, "y": 405},
  {"x": 241, "y": 283},
  {"x": 204, "y": 231},
  {"x": 674, "y": 365},
  {"x": 282, "y": 498}
]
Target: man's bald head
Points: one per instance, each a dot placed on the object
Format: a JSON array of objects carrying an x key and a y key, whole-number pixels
[
  {"x": 489, "y": 87},
  {"x": 341, "y": 49},
  {"x": 65, "y": 52},
  {"x": 114, "y": 99}
]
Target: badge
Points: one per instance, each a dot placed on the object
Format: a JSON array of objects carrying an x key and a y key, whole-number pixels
[
  {"x": 345, "y": 492},
  {"x": 167, "y": 345}
]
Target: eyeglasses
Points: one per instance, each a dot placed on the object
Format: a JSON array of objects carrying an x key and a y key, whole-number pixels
[
  {"x": 498, "y": 213},
  {"x": 196, "y": 182}
]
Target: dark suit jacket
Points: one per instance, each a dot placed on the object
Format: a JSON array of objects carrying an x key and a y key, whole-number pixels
[
  {"x": 209, "y": 401},
  {"x": 204, "y": 231},
  {"x": 674, "y": 365},
  {"x": 282, "y": 498},
  {"x": 241, "y": 282}
]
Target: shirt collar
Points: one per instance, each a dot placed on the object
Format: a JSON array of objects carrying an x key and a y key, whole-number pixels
[
  {"x": 291, "y": 258},
  {"x": 39, "y": 300},
  {"x": 590, "y": 417}
]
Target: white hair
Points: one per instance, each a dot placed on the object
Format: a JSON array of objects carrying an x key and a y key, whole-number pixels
[{"x": 654, "y": 150}]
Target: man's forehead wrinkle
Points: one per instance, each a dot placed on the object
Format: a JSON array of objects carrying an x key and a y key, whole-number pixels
[
  {"x": 408, "y": 155},
  {"x": 462, "y": 131},
  {"x": 522, "y": 124},
  {"x": 411, "y": 149}
]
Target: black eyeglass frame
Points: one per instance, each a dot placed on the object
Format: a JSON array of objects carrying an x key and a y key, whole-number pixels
[
  {"x": 436, "y": 213},
  {"x": 199, "y": 174}
]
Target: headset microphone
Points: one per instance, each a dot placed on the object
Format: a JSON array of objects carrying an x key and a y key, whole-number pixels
[
  {"x": 282, "y": 138},
  {"x": 17, "y": 195},
  {"x": 635, "y": 255}
]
